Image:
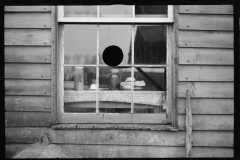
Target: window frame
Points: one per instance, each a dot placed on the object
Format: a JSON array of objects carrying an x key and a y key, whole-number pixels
[{"x": 74, "y": 118}]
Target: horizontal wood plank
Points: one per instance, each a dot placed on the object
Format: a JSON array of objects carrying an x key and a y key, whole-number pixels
[
  {"x": 120, "y": 137},
  {"x": 208, "y": 122},
  {"x": 28, "y": 103},
  {"x": 27, "y": 20},
  {"x": 206, "y": 9},
  {"x": 28, "y": 71},
  {"x": 207, "y": 106},
  {"x": 31, "y": 119},
  {"x": 27, "y": 87},
  {"x": 40, "y": 37},
  {"x": 205, "y": 22},
  {"x": 206, "y": 89},
  {"x": 205, "y": 73},
  {"x": 206, "y": 56},
  {"x": 27, "y": 54},
  {"x": 27, "y": 8},
  {"x": 100, "y": 151},
  {"x": 209, "y": 39}
]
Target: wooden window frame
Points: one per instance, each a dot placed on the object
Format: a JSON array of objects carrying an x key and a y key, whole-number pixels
[{"x": 59, "y": 117}]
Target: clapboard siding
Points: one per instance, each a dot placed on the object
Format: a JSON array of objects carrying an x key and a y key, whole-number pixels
[
  {"x": 206, "y": 56},
  {"x": 24, "y": 119},
  {"x": 89, "y": 151},
  {"x": 27, "y": 9},
  {"x": 28, "y": 71},
  {"x": 27, "y": 37},
  {"x": 27, "y": 20},
  {"x": 206, "y": 9},
  {"x": 27, "y": 87},
  {"x": 207, "y": 39},
  {"x": 206, "y": 89},
  {"x": 205, "y": 73},
  {"x": 207, "y": 106},
  {"x": 205, "y": 22},
  {"x": 28, "y": 103},
  {"x": 121, "y": 137},
  {"x": 208, "y": 122},
  {"x": 28, "y": 54}
]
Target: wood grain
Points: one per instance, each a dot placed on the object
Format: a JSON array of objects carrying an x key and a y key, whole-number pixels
[
  {"x": 205, "y": 22},
  {"x": 27, "y": 20},
  {"x": 205, "y": 73},
  {"x": 206, "y": 56},
  {"x": 40, "y": 37},
  {"x": 120, "y": 137},
  {"x": 23, "y": 119},
  {"x": 209, "y": 39},
  {"x": 27, "y": 54},
  {"x": 206, "y": 9},
  {"x": 208, "y": 122},
  {"x": 207, "y": 106},
  {"x": 28, "y": 103},
  {"x": 27, "y": 87},
  {"x": 206, "y": 89},
  {"x": 27, "y": 8},
  {"x": 28, "y": 71}
]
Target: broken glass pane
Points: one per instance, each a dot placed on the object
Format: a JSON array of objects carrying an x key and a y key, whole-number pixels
[
  {"x": 116, "y": 11},
  {"x": 80, "y": 44},
  {"x": 80, "y": 11},
  {"x": 150, "y": 45},
  {"x": 118, "y": 35},
  {"x": 151, "y": 10}
]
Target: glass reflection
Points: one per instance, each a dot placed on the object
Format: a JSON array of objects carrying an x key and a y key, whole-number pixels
[
  {"x": 88, "y": 76},
  {"x": 80, "y": 11},
  {"x": 151, "y": 10},
  {"x": 118, "y": 35},
  {"x": 117, "y": 100},
  {"x": 80, "y": 44},
  {"x": 150, "y": 45},
  {"x": 150, "y": 79},
  {"x": 116, "y": 11}
]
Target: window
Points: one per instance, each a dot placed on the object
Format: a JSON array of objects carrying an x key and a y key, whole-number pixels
[{"x": 143, "y": 89}]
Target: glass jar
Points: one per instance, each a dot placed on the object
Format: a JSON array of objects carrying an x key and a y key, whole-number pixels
[{"x": 114, "y": 80}]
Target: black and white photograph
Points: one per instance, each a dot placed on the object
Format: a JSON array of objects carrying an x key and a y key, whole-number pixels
[{"x": 119, "y": 81}]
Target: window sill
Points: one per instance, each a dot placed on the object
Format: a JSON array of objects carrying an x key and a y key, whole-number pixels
[{"x": 116, "y": 126}]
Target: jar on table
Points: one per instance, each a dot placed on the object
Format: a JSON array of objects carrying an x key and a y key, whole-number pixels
[{"x": 114, "y": 80}]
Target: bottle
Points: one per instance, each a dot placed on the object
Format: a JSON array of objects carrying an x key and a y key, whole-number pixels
[
  {"x": 79, "y": 78},
  {"x": 114, "y": 80}
]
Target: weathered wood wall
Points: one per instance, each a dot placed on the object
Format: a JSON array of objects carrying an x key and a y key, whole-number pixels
[{"x": 205, "y": 67}]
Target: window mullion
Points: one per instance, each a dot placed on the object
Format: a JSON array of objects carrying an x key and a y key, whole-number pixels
[
  {"x": 132, "y": 69},
  {"x": 97, "y": 70}
]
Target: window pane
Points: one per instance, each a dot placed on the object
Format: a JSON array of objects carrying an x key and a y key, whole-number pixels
[
  {"x": 80, "y": 11},
  {"x": 116, "y": 11},
  {"x": 78, "y": 95},
  {"x": 151, "y": 10},
  {"x": 80, "y": 44},
  {"x": 112, "y": 97},
  {"x": 150, "y": 44},
  {"x": 118, "y": 35}
]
